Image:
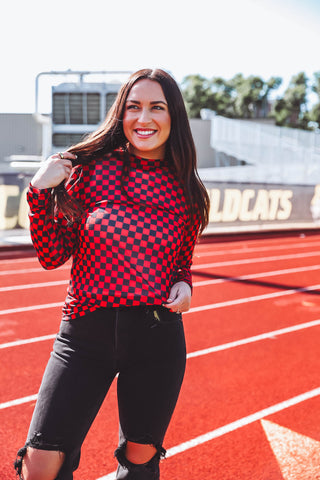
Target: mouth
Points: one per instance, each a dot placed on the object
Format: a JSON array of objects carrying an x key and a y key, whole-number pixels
[{"x": 146, "y": 132}]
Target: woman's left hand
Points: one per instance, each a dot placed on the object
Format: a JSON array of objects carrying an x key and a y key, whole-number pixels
[{"x": 179, "y": 299}]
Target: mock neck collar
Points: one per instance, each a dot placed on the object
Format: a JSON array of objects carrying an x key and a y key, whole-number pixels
[{"x": 144, "y": 161}]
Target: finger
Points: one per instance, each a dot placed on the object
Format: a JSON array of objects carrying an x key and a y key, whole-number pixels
[
  {"x": 64, "y": 166},
  {"x": 66, "y": 159},
  {"x": 66, "y": 155},
  {"x": 169, "y": 302},
  {"x": 174, "y": 305},
  {"x": 175, "y": 309},
  {"x": 166, "y": 306},
  {"x": 65, "y": 173},
  {"x": 55, "y": 159},
  {"x": 67, "y": 163},
  {"x": 174, "y": 293},
  {"x": 179, "y": 300},
  {"x": 68, "y": 171}
]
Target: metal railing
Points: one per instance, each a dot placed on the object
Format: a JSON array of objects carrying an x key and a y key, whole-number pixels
[{"x": 285, "y": 154}]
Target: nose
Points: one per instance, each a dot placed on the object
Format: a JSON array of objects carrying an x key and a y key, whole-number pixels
[{"x": 144, "y": 116}]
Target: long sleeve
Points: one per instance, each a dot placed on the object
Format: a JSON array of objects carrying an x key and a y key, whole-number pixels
[
  {"x": 133, "y": 240},
  {"x": 184, "y": 260},
  {"x": 53, "y": 237}
]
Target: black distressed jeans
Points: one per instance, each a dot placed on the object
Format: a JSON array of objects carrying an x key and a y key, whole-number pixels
[{"x": 145, "y": 346}]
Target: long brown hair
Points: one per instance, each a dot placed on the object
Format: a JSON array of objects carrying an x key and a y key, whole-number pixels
[{"x": 180, "y": 149}]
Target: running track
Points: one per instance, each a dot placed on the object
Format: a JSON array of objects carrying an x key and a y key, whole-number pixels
[{"x": 250, "y": 403}]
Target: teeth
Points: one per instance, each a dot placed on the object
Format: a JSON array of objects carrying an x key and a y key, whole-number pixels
[{"x": 145, "y": 132}]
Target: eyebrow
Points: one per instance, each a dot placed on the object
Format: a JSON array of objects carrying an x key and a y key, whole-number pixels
[{"x": 152, "y": 103}]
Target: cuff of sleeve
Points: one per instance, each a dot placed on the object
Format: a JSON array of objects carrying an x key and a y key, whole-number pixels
[
  {"x": 184, "y": 276},
  {"x": 38, "y": 198}
]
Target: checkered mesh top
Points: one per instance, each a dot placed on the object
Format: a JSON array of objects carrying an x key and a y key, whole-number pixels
[{"x": 129, "y": 247}]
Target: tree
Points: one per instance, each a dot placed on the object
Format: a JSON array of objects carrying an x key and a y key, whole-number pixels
[
  {"x": 224, "y": 96},
  {"x": 242, "y": 97},
  {"x": 314, "y": 114},
  {"x": 291, "y": 109},
  {"x": 236, "y": 98},
  {"x": 197, "y": 95},
  {"x": 248, "y": 93},
  {"x": 272, "y": 84},
  {"x": 252, "y": 95}
]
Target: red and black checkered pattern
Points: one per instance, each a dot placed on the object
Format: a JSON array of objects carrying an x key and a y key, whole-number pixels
[{"x": 128, "y": 248}]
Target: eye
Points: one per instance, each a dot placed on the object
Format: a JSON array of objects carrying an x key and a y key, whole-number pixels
[
  {"x": 132, "y": 107},
  {"x": 157, "y": 107}
]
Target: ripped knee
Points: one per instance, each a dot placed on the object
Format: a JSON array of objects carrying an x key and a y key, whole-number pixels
[
  {"x": 37, "y": 442},
  {"x": 139, "y": 453},
  {"x": 152, "y": 464},
  {"x": 18, "y": 461}
]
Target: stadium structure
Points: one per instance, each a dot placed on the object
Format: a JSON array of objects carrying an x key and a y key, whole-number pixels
[{"x": 259, "y": 176}]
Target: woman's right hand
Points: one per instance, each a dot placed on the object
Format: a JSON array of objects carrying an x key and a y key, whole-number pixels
[{"x": 53, "y": 171}]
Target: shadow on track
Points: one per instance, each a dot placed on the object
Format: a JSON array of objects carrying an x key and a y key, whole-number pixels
[{"x": 260, "y": 283}]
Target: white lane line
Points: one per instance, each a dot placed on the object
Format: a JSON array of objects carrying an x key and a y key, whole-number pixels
[
  {"x": 255, "y": 275},
  {"x": 26, "y": 341},
  {"x": 198, "y": 353},
  {"x": 248, "y": 249},
  {"x": 18, "y": 401},
  {"x": 194, "y": 267},
  {"x": 215, "y": 251},
  {"x": 33, "y": 285},
  {"x": 195, "y": 284},
  {"x": 19, "y": 260},
  {"x": 231, "y": 427},
  {"x": 192, "y": 310},
  {"x": 32, "y": 270},
  {"x": 252, "y": 299},
  {"x": 255, "y": 260},
  {"x": 255, "y": 338},
  {"x": 31, "y": 308},
  {"x": 21, "y": 271}
]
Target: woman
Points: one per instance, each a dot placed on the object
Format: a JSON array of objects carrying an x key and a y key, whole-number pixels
[{"x": 127, "y": 205}]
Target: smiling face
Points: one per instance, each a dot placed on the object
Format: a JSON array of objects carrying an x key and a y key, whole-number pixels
[{"x": 146, "y": 121}]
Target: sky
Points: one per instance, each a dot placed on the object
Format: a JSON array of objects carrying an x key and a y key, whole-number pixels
[{"x": 206, "y": 37}]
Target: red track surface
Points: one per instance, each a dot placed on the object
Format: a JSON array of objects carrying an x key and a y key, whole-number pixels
[{"x": 243, "y": 288}]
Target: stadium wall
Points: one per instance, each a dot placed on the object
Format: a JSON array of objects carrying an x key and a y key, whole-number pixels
[{"x": 234, "y": 206}]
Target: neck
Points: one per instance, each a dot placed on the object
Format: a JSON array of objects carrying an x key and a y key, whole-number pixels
[{"x": 156, "y": 154}]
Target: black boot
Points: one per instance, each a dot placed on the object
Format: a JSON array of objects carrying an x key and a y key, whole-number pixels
[{"x": 146, "y": 471}]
